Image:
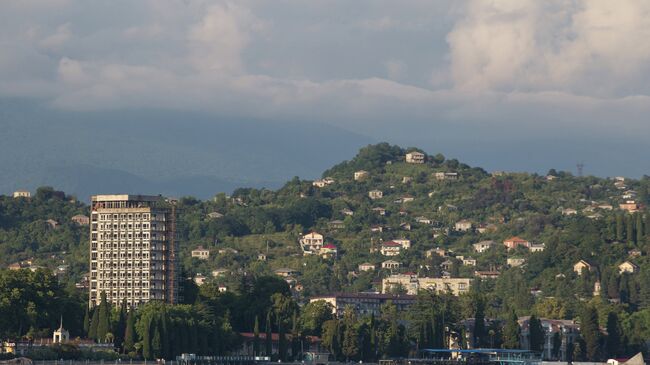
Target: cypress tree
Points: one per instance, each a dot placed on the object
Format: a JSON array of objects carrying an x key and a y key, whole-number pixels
[
  {"x": 156, "y": 339},
  {"x": 92, "y": 330},
  {"x": 129, "y": 332},
  {"x": 295, "y": 336},
  {"x": 350, "y": 343},
  {"x": 639, "y": 227},
  {"x": 146, "y": 340},
  {"x": 120, "y": 326},
  {"x": 87, "y": 322},
  {"x": 268, "y": 344},
  {"x": 620, "y": 233},
  {"x": 590, "y": 333},
  {"x": 282, "y": 341},
  {"x": 511, "y": 332},
  {"x": 613, "y": 341},
  {"x": 256, "y": 337},
  {"x": 536, "y": 334},
  {"x": 479, "y": 322},
  {"x": 629, "y": 229},
  {"x": 103, "y": 324}
]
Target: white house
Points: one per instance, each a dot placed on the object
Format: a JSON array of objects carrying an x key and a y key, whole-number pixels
[
  {"x": 390, "y": 264},
  {"x": 201, "y": 253},
  {"x": 390, "y": 248},
  {"x": 360, "y": 175},
  {"x": 311, "y": 242},
  {"x": 22, "y": 194},
  {"x": 463, "y": 225},
  {"x": 415, "y": 157},
  {"x": 628, "y": 267},
  {"x": 366, "y": 266},
  {"x": 375, "y": 194},
  {"x": 405, "y": 243},
  {"x": 483, "y": 246}
]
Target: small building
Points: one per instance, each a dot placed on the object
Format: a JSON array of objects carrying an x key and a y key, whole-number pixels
[
  {"x": 424, "y": 220},
  {"x": 336, "y": 224},
  {"x": 215, "y": 215},
  {"x": 379, "y": 210},
  {"x": 347, "y": 212},
  {"x": 582, "y": 265},
  {"x": 483, "y": 246},
  {"x": 321, "y": 183},
  {"x": 436, "y": 251},
  {"x": 22, "y": 194},
  {"x": 446, "y": 176},
  {"x": 515, "y": 261},
  {"x": 515, "y": 242},
  {"x": 286, "y": 272},
  {"x": 406, "y": 179},
  {"x": 390, "y": 248},
  {"x": 261, "y": 257},
  {"x": 405, "y": 243},
  {"x": 52, "y": 223},
  {"x": 377, "y": 228},
  {"x": 415, "y": 157},
  {"x": 487, "y": 274},
  {"x": 199, "y": 279},
  {"x": 569, "y": 211},
  {"x": 390, "y": 264},
  {"x": 366, "y": 266},
  {"x": 447, "y": 265},
  {"x": 630, "y": 206},
  {"x": 628, "y": 268},
  {"x": 219, "y": 272},
  {"x": 537, "y": 247},
  {"x": 201, "y": 253},
  {"x": 328, "y": 251},
  {"x": 361, "y": 175},
  {"x": 227, "y": 250},
  {"x": 311, "y": 242},
  {"x": 469, "y": 261},
  {"x": 405, "y": 226},
  {"x": 60, "y": 335},
  {"x": 463, "y": 225},
  {"x": 81, "y": 220},
  {"x": 375, "y": 194}
]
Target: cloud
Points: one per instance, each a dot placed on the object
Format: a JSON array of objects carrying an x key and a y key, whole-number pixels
[{"x": 586, "y": 47}]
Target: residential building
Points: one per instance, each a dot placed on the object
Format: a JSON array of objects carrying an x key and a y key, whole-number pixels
[
  {"x": 483, "y": 246},
  {"x": 406, "y": 179},
  {"x": 412, "y": 284},
  {"x": 390, "y": 264},
  {"x": 415, "y": 157},
  {"x": 375, "y": 194},
  {"x": 441, "y": 176},
  {"x": 215, "y": 215},
  {"x": 360, "y": 175},
  {"x": 379, "y": 210},
  {"x": 537, "y": 247},
  {"x": 390, "y": 248},
  {"x": 436, "y": 251},
  {"x": 201, "y": 253},
  {"x": 515, "y": 242},
  {"x": 347, "y": 212},
  {"x": 364, "y": 304},
  {"x": 133, "y": 250},
  {"x": 81, "y": 220},
  {"x": 487, "y": 274},
  {"x": 423, "y": 220},
  {"x": 328, "y": 251},
  {"x": 219, "y": 272},
  {"x": 630, "y": 206},
  {"x": 568, "y": 331},
  {"x": 366, "y": 266},
  {"x": 628, "y": 267},
  {"x": 286, "y": 272},
  {"x": 463, "y": 225},
  {"x": 515, "y": 261},
  {"x": 405, "y": 243},
  {"x": 199, "y": 279},
  {"x": 469, "y": 261},
  {"x": 582, "y": 265},
  {"x": 321, "y": 183},
  {"x": 311, "y": 242},
  {"x": 261, "y": 257},
  {"x": 22, "y": 194},
  {"x": 52, "y": 223},
  {"x": 336, "y": 224},
  {"x": 569, "y": 211}
]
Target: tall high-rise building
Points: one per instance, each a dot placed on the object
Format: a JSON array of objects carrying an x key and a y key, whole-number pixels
[{"x": 133, "y": 249}]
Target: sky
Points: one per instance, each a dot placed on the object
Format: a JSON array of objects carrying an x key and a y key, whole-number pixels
[{"x": 507, "y": 84}]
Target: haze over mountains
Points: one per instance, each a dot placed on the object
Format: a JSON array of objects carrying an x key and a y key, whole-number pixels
[{"x": 172, "y": 153}]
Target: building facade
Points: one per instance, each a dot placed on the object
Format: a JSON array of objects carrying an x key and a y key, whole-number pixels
[
  {"x": 133, "y": 250},
  {"x": 412, "y": 284},
  {"x": 364, "y": 304}
]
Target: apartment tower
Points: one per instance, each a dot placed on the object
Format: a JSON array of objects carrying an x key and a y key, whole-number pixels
[{"x": 133, "y": 249}]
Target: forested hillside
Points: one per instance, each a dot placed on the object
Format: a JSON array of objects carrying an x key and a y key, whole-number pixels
[{"x": 254, "y": 232}]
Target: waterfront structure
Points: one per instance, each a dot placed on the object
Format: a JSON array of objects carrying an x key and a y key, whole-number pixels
[{"x": 133, "y": 249}]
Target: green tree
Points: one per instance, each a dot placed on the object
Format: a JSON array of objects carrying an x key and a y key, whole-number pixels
[
  {"x": 146, "y": 339},
  {"x": 613, "y": 340},
  {"x": 629, "y": 229},
  {"x": 92, "y": 329},
  {"x": 314, "y": 314},
  {"x": 511, "y": 332},
  {"x": 87, "y": 322},
  {"x": 268, "y": 340},
  {"x": 129, "y": 332},
  {"x": 620, "y": 228},
  {"x": 120, "y": 325},
  {"x": 103, "y": 324},
  {"x": 256, "y": 337},
  {"x": 590, "y": 333},
  {"x": 350, "y": 346},
  {"x": 536, "y": 334},
  {"x": 479, "y": 322}
]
